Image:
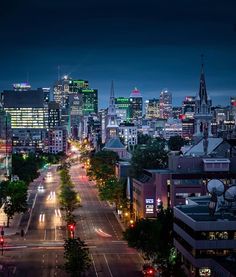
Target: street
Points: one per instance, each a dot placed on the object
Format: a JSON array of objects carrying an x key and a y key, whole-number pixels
[{"x": 40, "y": 251}]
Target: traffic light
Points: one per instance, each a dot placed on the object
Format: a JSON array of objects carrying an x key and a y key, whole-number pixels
[
  {"x": 1, "y": 240},
  {"x": 131, "y": 223},
  {"x": 71, "y": 227}
]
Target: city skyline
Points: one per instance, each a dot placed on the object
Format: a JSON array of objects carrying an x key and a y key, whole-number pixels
[{"x": 152, "y": 46}]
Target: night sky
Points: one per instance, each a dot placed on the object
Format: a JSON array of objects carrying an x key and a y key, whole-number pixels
[{"x": 149, "y": 44}]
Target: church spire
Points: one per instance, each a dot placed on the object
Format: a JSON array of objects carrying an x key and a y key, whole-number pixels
[
  {"x": 203, "y": 114},
  {"x": 112, "y": 128},
  {"x": 202, "y": 90},
  {"x": 112, "y": 108}
]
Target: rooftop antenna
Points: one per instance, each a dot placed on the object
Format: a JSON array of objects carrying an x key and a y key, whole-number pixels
[{"x": 222, "y": 199}]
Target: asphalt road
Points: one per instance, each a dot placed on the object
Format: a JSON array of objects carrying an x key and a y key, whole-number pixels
[{"x": 40, "y": 252}]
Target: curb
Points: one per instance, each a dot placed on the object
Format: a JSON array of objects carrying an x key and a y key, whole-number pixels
[{"x": 118, "y": 219}]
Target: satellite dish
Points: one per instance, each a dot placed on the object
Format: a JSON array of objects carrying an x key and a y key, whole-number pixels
[
  {"x": 216, "y": 187},
  {"x": 230, "y": 194}
]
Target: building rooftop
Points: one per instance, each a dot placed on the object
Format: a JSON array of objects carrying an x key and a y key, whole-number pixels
[
  {"x": 114, "y": 143},
  {"x": 23, "y": 99},
  {"x": 200, "y": 212},
  {"x": 160, "y": 171},
  {"x": 198, "y": 149}
]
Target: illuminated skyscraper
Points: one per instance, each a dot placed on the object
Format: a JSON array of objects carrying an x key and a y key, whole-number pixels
[
  {"x": 29, "y": 118},
  {"x": 165, "y": 104},
  {"x": 152, "y": 108},
  {"x": 5, "y": 144},
  {"x": 188, "y": 107},
  {"x": 136, "y": 102},
  {"x": 123, "y": 108},
  {"x": 61, "y": 91}
]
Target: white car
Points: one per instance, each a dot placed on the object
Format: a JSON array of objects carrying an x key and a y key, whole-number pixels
[{"x": 40, "y": 188}]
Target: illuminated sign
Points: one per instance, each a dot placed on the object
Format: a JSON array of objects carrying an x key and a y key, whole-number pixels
[
  {"x": 88, "y": 90},
  {"x": 149, "y": 209},
  {"x": 22, "y": 86},
  {"x": 149, "y": 201}
]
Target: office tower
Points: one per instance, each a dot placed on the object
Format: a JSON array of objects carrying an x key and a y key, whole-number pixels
[
  {"x": 77, "y": 85},
  {"x": 136, "y": 101},
  {"x": 173, "y": 127},
  {"x": 61, "y": 91},
  {"x": 123, "y": 108},
  {"x": 176, "y": 112},
  {"x": 187, "y": 117},
  {"x": 165, "y": 104},
  {"x": 54, "y": 118},
  {"x": 47, "y": 94},
  {"x": 89, "y": 101},
  {"x": 112, "y": 127},
  {"x": 152, "y": 108},
  {"x": 188, "y": 107},
  {"x": 128, "y": 132},
  {"x": 233, "y": 107},
  {"x": 57, "y": 140},
  {"x": 202, "y": 114},
  {"x": 187, "y": 128},
  {"x": 29, "y": 118},
  {"x": 94, "y": 132},
  {"x": 102, "y": 115},
  {"x": 5, "y": 145}
]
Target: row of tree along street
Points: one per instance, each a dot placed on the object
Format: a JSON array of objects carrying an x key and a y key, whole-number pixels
[
  {"x": 76, "y": 253},
  {"x": 13, "y": 194},
  {"x": 153, "y": 237}
]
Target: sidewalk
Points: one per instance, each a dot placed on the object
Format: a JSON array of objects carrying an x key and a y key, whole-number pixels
[
  {"x": 14, "y": 226},
  {"x": 122, "y": 225}
]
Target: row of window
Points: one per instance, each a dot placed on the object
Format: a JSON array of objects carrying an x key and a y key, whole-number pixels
[{"x": 204, "y": 235}]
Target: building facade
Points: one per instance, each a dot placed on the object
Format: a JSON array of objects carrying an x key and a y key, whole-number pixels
[
  {"x": 29, "y": 118},
  {"x": 165, "y": 104},
  {"x": 136, "y": 101}
]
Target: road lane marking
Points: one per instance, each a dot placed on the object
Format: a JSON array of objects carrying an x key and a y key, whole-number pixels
[
  {"x": 107, "y": 265},
  {"x": 94, "y": 265}
]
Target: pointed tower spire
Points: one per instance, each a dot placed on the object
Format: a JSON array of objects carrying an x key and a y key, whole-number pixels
[
  {"x": 202, "y": 90},
  {"x": 111, "y": 109},
  {"x": 202, "y": 114},
  {"x": 112, "y": 127}
]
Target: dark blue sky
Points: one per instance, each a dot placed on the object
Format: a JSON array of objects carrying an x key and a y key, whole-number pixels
[{"x": 150, "y": 44}]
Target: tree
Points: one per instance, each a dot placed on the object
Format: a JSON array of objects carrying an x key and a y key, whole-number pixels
[
  {"x": 68, "y": 199},
  {"x": 26, "y": 167},
  {"x": 77, "y": 257},
  {"x": 175, "y": 143},
  {"x": 144, "y": 139},
  {"x": 113, "y": 190},
  {"x": 153, "y": 237},
  {"x": 15, "y": 199},
  {"x": 151, "y": 156},
  {"x": 102, "y": 165}
]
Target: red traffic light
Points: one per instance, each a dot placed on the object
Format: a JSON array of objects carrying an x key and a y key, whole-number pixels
[
  {"x": 1, "y": 240},
  {"x": 71, "y": 227}
]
